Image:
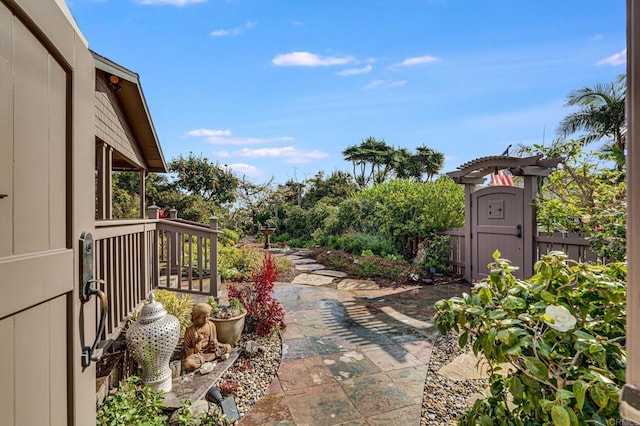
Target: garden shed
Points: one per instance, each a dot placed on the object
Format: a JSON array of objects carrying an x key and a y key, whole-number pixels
[{"x": 500, "y": 217}]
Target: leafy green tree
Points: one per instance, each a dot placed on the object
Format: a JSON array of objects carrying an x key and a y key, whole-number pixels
[
  {"x": 336, "y": 187},
  {"x": 601, "y": 115},
  {"x": 583, "y": 195},
  {"x": 258, "y": 200},
  {"x": 198, "y": 176}
]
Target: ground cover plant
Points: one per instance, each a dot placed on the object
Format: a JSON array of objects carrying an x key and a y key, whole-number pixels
[
  {"x": 561, "y": 334},
  {"x": 132, "y": 404},
  {"x": 393, "y": 268}
]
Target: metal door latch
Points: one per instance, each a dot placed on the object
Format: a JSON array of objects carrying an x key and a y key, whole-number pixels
[{"x": 87, "y": 290}]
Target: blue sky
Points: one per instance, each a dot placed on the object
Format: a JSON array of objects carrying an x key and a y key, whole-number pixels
[{"x": 280, "y": 87}]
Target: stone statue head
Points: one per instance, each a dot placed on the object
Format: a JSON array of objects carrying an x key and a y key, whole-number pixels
[{"x": 200, "y": 313}]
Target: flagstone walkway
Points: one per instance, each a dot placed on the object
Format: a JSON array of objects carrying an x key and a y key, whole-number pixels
[{"x": 353, "y": 354}]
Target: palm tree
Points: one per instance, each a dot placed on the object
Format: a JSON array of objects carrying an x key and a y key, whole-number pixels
[
  {"x": 431, "y": 159},
  {"x": 601, "y": 115},
  {"x": 402, "y": 163}
]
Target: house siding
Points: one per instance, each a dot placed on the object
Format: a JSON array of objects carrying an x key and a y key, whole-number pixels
[{"x": 112, "y": 126}]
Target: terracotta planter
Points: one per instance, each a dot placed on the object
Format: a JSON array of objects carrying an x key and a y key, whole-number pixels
[{"x": 229, "y": 329}]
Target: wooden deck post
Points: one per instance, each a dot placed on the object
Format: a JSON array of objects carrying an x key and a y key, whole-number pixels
[{"x": 214, "y": 280}]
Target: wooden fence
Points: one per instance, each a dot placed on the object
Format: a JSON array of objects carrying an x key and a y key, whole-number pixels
[
  {"x": 573, "y": 244},
  {"x": 456, "y": 252},
  {"x": 132, "y": 257}
]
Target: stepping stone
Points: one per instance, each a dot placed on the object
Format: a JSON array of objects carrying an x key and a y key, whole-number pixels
[
  {"x": 330, "y": 273},
  {"x": 469, "y": 366},
  {"x": 466, "y": 367},
  {"x": 293, "y": 257},
  {"x": 309, "y": 267},
  {"x": 303, "y": 260},
  {"x": 349, "y": 284},
  {"x": 312, "y": 279}
]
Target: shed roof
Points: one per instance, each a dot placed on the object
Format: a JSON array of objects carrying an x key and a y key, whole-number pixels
[{"x": 134, "y": 105}]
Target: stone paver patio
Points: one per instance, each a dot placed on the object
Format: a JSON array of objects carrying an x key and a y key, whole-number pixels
[{"x": 352, "y": 353}]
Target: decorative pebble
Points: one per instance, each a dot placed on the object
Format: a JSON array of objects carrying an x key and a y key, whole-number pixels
[
  {"x": 443, "y": 400},
  {"x": 261, "y": 368}
]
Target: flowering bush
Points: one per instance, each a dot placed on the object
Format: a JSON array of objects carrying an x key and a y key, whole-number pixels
[
  {"x": 561, "y": 333},
  {"x": 258, "y": 301}
]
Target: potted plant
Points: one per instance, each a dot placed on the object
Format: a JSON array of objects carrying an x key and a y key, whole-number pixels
[{"x": 229, "y": 320}]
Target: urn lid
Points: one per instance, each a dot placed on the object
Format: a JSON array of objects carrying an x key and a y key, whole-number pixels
[{"x": 152, "y": 310}]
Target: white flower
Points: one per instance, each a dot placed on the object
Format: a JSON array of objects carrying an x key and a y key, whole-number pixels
[{"x": 559, "y": 318}]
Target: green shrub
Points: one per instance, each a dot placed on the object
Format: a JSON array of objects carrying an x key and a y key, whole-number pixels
[
  {"x": 229, "y": 237},
  {"x": 213, "y": 417},
  {"x": 361, "y": 243},
  {"x": 241, "y": 264},
  {"x": 132, "y": 404},
  {"x": 562, "y": 333},
  {"x": 237, "y": 264},
  {"x": 436, "y": 252},
  {"x": 178, "y": 306}
]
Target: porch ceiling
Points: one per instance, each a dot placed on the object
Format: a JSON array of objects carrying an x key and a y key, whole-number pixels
[{"x": 135, "y": 107}]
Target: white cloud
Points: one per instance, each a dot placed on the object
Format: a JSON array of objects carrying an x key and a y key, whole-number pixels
[
  {"x": 171, "y": 2},
  {"x": 288, "y": 153},
  {"x": 223, "y": 154},
  {"x": 598, "y": 37},
  {"x": 377, "y": 84},
  {"x": 223, "y": 137},
  {"x": 233, "y": 31},
  {"x": 240, "y": 169},
  {"x": 418, "y": 60},
  {"x": 374, "y": 84},
  {"x": 208, "y": 133},
  {"x": 616, "y": 59},
  {"x": 297, "y": 23},
  {"x": 354, "y": 71},
  {"x": 306, "y": 59}
]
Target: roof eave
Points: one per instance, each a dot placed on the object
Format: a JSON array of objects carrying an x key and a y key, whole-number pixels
[{"x": 133, "y": 102}]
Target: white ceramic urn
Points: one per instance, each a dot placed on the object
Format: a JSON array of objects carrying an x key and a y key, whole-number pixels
[{"x": 151, "y": 340}]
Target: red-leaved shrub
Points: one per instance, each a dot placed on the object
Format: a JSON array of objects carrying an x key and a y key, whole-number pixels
[{"x": 258, "y": 301}]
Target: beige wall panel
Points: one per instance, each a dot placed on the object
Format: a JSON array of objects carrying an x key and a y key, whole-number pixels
[
  {"x": 32, "y": 366},
  {"x": 6, "y": 371},
  {"x": 6, "y": 135},
  {"x": 58, "y": 360},
  {"x": 31, "y": 171},
  {"x": 27, "y": 280},
  {"x": 53, "y": 23},
  {"x": 83, "y": 164},
  {"x": 57, "y": 164}
]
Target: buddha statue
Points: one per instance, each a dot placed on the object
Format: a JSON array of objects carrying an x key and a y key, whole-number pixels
[{"x": 200, "y": 340}]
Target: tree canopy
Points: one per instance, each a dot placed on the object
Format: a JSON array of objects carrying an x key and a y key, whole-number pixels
[
  {"x": 374, "y": 161},
  {"x": 601, "y": 115}
]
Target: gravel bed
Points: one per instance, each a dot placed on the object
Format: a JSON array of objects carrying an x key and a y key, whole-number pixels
[
  {"x": 443, "y": 399},
  {"x": 254, "y": 373}
]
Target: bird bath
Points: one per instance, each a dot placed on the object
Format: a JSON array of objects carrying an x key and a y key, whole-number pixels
[{"x": 267, "y": 236}]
